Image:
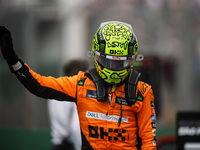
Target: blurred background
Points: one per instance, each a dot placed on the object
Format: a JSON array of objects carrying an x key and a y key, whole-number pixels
[{"x": 48, "y": 33}]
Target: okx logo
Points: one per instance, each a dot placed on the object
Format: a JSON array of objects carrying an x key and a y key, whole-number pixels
[
  {"x": 111, "y": 134},
  {"x": 116, "y": 52}
]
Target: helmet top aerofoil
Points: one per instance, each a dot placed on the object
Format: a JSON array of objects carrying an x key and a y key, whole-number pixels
[{"x": 115, "y": 47}]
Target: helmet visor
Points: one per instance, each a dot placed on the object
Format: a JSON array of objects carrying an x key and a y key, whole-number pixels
[{"x": 114, "y": 62}]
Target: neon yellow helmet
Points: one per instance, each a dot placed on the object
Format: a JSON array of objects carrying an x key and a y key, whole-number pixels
[{"x": 115, "y": 47}]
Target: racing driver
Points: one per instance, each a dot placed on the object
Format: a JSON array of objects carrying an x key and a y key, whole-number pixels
[{"x": 116, "y": 109}]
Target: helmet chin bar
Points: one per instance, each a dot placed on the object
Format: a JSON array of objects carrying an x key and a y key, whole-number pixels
[
  {"x": 115, "y": 77},
  {"x": 112, "y": 76}
]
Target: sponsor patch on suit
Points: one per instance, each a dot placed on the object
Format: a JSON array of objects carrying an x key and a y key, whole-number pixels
[
  {"x": 152, "y": 104},
  {"x": 153, "y": 125},
  {"x": 153, "y": 112},
  {"x": 121, "y": 100},
  {"x": 91, "y": 94},
  {"x": 153, "y": 118}
]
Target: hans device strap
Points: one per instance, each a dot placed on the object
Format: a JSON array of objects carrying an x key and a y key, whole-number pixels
[
  {"x": 131, "y": 86},
  {"x": 101, "y": 90}
]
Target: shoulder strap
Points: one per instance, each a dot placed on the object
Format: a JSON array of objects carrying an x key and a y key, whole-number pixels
[
  {"x": 99, "y": 83},
  {"x": 131, "y": 86}
]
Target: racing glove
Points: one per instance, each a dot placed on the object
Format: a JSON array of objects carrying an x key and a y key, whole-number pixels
[{"x": 6, "y": 46}]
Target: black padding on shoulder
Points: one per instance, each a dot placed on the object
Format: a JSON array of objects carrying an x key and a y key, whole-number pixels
[
  {"x": 131, "y": 86},
  {"x": 99, "y": 83}
]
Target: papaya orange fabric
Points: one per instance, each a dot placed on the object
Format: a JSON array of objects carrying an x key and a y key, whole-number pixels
[{"x": 99, "y": 121}]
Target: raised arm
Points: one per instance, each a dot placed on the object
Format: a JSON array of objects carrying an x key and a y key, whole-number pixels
[{"x": 62, "y": 88}]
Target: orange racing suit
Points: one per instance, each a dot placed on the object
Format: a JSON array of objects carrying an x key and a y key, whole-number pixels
[{"x": 99, "y": 121}]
